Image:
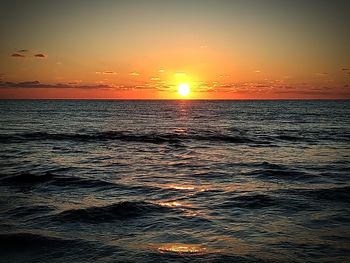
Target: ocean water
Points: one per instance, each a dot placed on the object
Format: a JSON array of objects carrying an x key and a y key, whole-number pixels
[{"x": 174, "y": 181}]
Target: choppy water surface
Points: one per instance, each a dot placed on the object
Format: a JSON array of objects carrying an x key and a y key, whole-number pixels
[{"x": 174, "y": 181}]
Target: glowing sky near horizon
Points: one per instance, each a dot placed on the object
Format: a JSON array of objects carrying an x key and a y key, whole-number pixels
[{"x": 140, "y": 49}]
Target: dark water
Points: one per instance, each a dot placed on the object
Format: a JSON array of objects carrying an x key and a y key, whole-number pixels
[{"x": 174, "y": 181}]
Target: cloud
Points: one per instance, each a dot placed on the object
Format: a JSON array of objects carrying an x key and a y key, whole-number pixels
[
  {"x": 238, "y": 87},
  {"x": 16, "y": 55},
  {"x": 268, "y": 86},
  {"x": 76, "y": 85},
  {"x": 316, "y": 91},
  {"x": 106, "y": 72},
  {"x": 322, "y": 73},
  {"x": 38, "y": 84},
  {"x": 224, "y": 76},
  {"x": 40, "y": 55},
  {"x": 262, "y": 86},
  {"x": 21, "y": 54},
  {"x": 143, "y": 87},
  {"x": 134, "y": 74},
  {"x": 346, "y": 70}
]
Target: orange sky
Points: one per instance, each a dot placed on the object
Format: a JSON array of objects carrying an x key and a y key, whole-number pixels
[{"x": 145, "y": 49}]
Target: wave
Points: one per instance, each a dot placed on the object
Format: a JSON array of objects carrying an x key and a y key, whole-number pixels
[
  {"x": 30, "y": 179},
  {"x": 25, "y": 211},
  {"x": 337, "y": 194},
  {"x": 171, "y": 137},
  {"x": 129, "y": 137},
  {"x": 290, "y": 138},
  {"x": 119, "y": 211},
  {"x": 274, "y": 171},
  {"x": 27, "y": 178},
  {"x": 56, "y": 182},
  {"x": 27, "y": 241},
  {"x": 252, "y": 201},
  {"x": 281, "y": 174}
]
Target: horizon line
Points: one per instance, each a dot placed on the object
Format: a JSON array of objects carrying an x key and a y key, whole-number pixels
[{"x": 133, "y": 99}]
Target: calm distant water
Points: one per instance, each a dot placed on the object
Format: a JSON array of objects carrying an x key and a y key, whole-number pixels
[{"x": 175, "y": 181}]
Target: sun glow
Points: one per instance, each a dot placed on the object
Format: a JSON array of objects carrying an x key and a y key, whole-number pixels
[
  {"x": 184, "y": 89},
  {"x": 182, "y": 248}
]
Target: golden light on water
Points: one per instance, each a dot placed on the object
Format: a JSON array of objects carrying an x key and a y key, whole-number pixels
[
  {"x": 171, "y": 204},
  {"x": 183, "y": 187},
  {"x": 182, "y": 248}
]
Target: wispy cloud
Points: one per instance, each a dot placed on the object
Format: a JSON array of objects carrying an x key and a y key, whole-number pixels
[
  {"x": 264, "y": 87},
  {"x": 16, "y": 55},
  {"x": 40, "y": 55},
  {"x": 322, "y": 73},
  {"x": 23, "y": 53},
  {"x": 134, "y": 74},
  {"x": 76, "y": 85},
  {"x": 38, "y": 84},
  {"x": 270, "y": 87},
  {"x": 346, "y": 70},
  {"x": 106, "y": 72}
]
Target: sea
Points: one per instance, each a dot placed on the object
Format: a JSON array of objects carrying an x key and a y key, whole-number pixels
[{"x": 174, "y": 181}]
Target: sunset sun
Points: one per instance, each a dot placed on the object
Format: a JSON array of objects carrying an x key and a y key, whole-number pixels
[{"x": 184, "y": 89}]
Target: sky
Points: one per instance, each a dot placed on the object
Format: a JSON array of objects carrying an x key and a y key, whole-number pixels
[{"x": 145, "y": 49}]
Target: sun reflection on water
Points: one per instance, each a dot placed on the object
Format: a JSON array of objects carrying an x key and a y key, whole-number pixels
[
  {"x": 179, "y": 187},
  {"x": 198, "y": 188},
  {"x": 182, "y": 248},
  {"x": 171, "y": 204}
]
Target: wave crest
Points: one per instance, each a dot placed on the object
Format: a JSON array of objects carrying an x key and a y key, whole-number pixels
[
  {"x": 119, "y": 211},
  {"x": 130, "y": 137}
]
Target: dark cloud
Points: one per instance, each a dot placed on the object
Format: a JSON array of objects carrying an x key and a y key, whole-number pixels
[
  {"x": 21, "y": 54},
  {"x": 144, "y": 87},
  {"x": 70, "y": 85},
  {"x": 40, "y": 55},
  {"x": 289, "y": 87},
  {"x": 262, "y": 86},
  {"x": 25, "y": 84},
  {"x": 16, "y": 55},
  {"x": 345, "y": 69},
  {"x": 37, "y": 84}
]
